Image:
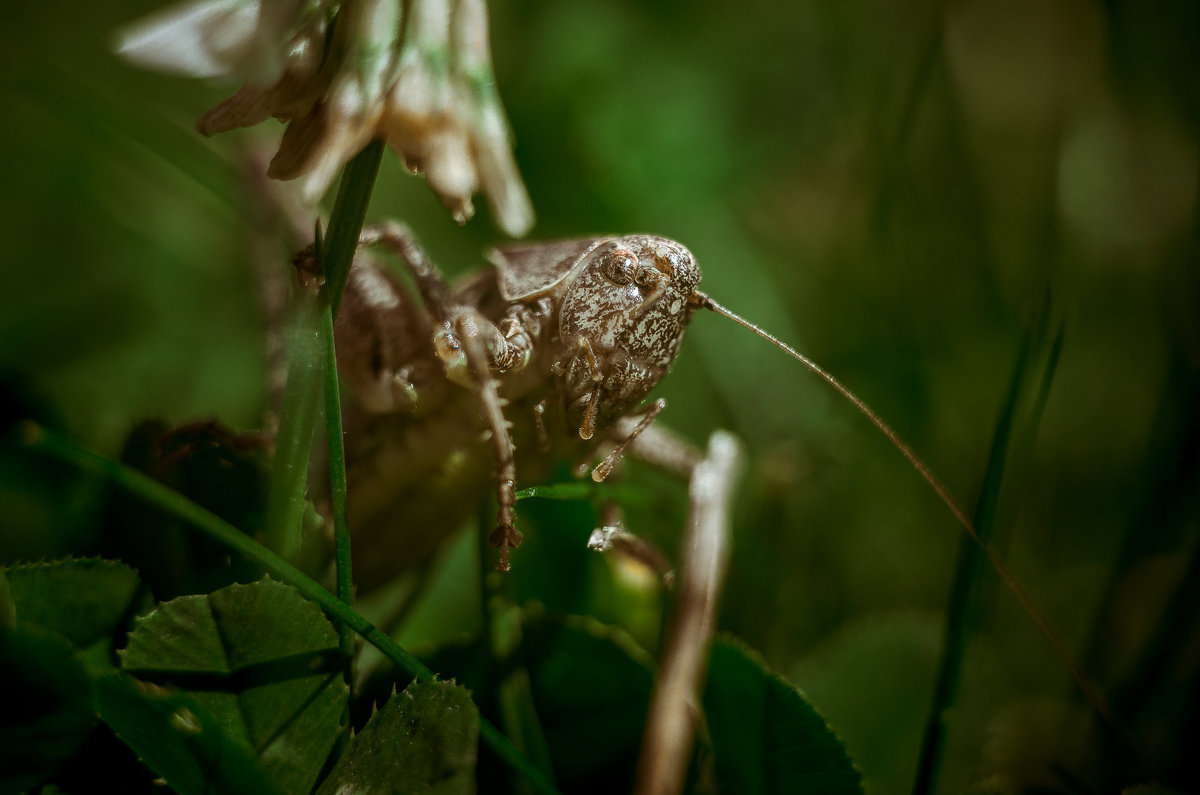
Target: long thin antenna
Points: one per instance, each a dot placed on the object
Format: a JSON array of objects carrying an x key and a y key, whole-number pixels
[{"x": 1090, "y": 691}]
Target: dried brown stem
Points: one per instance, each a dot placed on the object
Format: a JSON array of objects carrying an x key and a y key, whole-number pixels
[{"x": 671, "y": 725}]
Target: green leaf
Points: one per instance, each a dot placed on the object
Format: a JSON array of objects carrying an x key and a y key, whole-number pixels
[
  {"x": 766, "y": 737},
  {"x": 262, "y": 661},
  {"x": 47, "y": 708},
  {"x": 423, "y": 740},
  {"x": 177, "y": 739},
  {"x": 82, "y": 599},
  {"x": 873, "y": 680},
  {"x": 591, "y": 685},
  {"x": 575, "y": 490}
]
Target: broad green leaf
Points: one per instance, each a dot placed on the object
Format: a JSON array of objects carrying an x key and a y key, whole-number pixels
[
  {"x": 591, "y": 685},
  {"x": 47, "y": 707},
  {"x": 873, "y": 681},
  {"x": 766, "y": 737},
  {"x": 423, "y": 740},
  {"x": 262, "y": 661},
  {"x": 82, "y": 599},
  {"x": 177, "y": 739}
]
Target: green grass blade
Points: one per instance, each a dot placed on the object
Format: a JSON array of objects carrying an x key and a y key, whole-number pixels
[
  {"x": 961, "y": 613},
  {"x": 335, "y": 252},
  {"x": 346, "y": 220},
  {"x": 337, "y": 473},
  {"x": 288, "y": 486},
  {"x": 559, "y": 491}
]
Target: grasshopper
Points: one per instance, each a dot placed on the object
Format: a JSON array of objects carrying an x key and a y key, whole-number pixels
[
  {"x": 545, "y": 356},
  {"x": 538, "y": 358}
]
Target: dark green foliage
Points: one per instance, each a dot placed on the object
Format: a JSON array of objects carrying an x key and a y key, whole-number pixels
[
  {"x": 591, "y": 685},
  {"x": 47, "y": 706},
  {"x": 873, "y": 681},
  {"x": 82, "y": 600},
  {"x": 966, "y": 599},
  {"x": 260, "y": 662},
  {"x": 766, "y": 737},
  {"x": 422, "y": 740},
  {"x": 213, "y": 466},
  {"x": 894, "y": 187},
  {"x": 176, "y": 738}
]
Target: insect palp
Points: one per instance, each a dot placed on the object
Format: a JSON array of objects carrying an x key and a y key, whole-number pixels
[{"x": 604, "y": 468}]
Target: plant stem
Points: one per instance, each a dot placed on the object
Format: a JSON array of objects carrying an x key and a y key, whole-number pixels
[
  {"x": 42, "y": 440},
  {"x": 704, "y": 559}
]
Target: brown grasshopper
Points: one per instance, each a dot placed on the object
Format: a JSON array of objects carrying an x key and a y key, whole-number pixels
[
  {"x": 537, "y": 358},
  {"x": 545, "y": 356}
]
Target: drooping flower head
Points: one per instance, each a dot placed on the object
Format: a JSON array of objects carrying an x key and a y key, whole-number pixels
[{"x": 418, "y": 74}]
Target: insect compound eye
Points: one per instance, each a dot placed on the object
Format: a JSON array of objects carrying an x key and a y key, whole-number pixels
[{"x": 619, "y": 266}]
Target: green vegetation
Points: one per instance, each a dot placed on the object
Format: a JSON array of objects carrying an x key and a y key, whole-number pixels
[{"x": 983, "y": 217}]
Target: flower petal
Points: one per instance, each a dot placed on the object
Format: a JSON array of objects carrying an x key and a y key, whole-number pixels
[
  {"x": 205, "y": 38},
  {"x": 450, "y": 169},
  {"x": 298, "y": 151},
  {"x": 498, "y": 172},
  {"x": 489, "y": 129}
]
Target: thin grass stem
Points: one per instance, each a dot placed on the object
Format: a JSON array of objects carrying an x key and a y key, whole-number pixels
[
  {"x": 959, "y": 614},
  {"x": 337, "y": 481},
  {"x": 335, "y": 253}
]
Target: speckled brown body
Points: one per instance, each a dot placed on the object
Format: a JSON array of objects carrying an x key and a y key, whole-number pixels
[{"x": 577, "y": 333}]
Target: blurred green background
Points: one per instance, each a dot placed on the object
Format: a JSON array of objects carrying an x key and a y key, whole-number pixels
[{"x": 901, "y": 190}]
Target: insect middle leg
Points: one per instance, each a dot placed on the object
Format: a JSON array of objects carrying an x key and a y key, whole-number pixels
[{"x": 429, "y": 281}]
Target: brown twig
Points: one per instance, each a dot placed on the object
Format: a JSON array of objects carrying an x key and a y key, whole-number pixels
[{"x": 671, "y": 725}]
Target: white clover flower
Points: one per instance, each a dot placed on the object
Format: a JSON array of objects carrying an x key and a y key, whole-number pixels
[
  {"x": 343, "y": 74},
  {"x": 215, "y": 38}
]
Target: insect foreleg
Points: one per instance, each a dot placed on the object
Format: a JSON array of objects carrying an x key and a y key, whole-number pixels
[
  {"x": 505, "y": 535},
  {"x": 471, "y": 347},
  {"x": 507, "y": 344}
]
